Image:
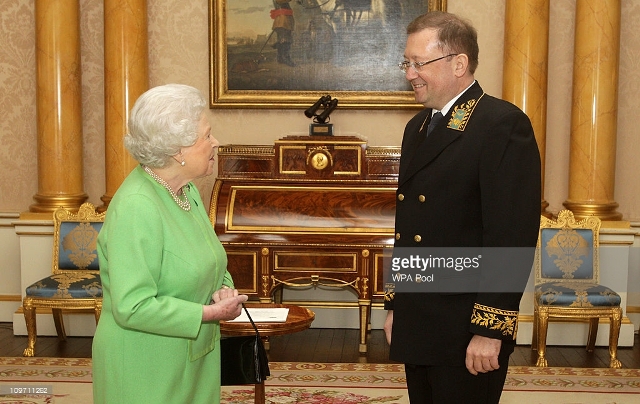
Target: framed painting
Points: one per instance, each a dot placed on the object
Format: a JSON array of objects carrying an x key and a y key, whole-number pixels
[{"x": 288, "y": 53}]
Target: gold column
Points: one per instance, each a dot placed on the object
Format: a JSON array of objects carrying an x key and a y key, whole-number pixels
[
  {"x": 525, "y": 66},
  {"x": 126, "y": 77},
  {"x": 59, "y": 106},
  {"x": 595, "y": 107}
]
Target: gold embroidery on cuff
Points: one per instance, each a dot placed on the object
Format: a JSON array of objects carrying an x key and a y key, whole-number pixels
[
  {"x": 389, "y": 291},
  {"x": 495, "y": 319}
]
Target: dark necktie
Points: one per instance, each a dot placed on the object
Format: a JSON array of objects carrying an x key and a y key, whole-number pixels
[{"x": 434, "y": 121}]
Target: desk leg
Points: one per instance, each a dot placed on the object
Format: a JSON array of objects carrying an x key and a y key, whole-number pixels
[
  {"x": 365, "y": 307},
  {"x": 259, "y": 393},
  {"x": 265, "y": 342}
]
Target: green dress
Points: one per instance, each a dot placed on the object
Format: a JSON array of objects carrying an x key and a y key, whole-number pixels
[{"x": 159, "y": 264}]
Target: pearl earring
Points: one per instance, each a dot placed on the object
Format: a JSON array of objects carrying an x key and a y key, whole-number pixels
[{"x": 182, "y": 163}]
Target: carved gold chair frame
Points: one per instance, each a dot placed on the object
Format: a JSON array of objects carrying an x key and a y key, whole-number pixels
[
  {"x": 569, "y": 295},
  {"x": 74, "y": 283}
]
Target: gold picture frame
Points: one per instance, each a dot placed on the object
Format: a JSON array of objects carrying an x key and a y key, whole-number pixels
[{"x": 348, "y": 49}]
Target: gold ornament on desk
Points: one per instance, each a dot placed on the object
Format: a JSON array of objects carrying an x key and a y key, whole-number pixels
[{"x": 319, "y": 158}]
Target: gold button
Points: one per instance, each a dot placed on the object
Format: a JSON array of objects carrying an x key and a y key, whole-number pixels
[
  {"x": 421, "y": 198},
  {"x": 397, "y": 236},
  {"x": 400, "y": 197},
  {"x": 417, "y": 238}
]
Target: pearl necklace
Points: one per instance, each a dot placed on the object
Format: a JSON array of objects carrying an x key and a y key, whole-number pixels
[{"x": 184, "y": 204}]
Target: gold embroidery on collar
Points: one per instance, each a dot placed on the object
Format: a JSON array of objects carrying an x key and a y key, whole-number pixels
[{"x": 461, "y": 114}]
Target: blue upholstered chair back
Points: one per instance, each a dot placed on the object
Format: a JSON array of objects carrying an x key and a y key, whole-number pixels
[
  {"x": 568, "y": 250},
  {"x": 566, "y": 254},
  {"x": 77, "y": 247},
  {"x": 75, "y": 239}
]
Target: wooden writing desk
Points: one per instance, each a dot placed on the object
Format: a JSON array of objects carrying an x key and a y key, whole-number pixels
[{"x": 307, "y": 211}]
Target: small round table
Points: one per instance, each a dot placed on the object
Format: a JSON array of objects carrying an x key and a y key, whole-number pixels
[{"x": 298, "y": 319}]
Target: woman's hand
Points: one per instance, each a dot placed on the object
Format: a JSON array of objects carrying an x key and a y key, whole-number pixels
[{"x": 226, "y": 305}]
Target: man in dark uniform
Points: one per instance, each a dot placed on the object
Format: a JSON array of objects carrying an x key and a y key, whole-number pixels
[
  {"x": 283, "y": 24},
  {"x": 473, "y": 181}
]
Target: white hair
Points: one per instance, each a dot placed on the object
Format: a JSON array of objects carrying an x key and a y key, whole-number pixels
[{"x": 163, "y": 120}]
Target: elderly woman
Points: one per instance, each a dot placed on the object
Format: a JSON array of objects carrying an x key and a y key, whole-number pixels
[{"x": 164, "y": 272}]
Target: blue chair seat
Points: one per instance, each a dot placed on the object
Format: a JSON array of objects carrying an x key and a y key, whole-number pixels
[
  {"x": 67, "y": 286},
  {"x": 575, "y": 294}
]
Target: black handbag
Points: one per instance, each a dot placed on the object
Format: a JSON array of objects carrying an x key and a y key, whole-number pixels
[{"x": 243, "y": 359}]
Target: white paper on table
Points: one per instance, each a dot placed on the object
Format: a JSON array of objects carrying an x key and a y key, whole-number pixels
[{"x": 263, "y": 315}]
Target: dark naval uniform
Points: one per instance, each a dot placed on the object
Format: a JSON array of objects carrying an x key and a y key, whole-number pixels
[{"x": 474, "y": 182}]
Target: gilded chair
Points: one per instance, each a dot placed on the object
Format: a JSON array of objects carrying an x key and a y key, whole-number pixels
[
  {"x": 74, "y": 283},
  {"x": 567, "y": 282}
]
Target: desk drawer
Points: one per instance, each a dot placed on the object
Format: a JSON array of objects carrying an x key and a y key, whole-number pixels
[{"x": 310, "y": 261}]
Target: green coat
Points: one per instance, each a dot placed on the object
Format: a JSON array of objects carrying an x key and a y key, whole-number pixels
[{"x": 159, "y": 264}]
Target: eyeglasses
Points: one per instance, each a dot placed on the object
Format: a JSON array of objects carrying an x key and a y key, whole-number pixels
[{"x": 417, "y": 66}]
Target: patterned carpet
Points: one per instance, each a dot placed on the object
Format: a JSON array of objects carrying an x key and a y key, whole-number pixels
[
  {"x": 68, "y": 381},
  {"x": 556, "y": 385},
  {"x": 326, "y": 383}
]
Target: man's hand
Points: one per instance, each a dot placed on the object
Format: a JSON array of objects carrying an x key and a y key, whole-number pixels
[{"x": 482, "y": 354}]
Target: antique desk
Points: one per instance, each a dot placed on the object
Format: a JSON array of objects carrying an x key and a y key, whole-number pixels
[{"x": 307, "y": 211}]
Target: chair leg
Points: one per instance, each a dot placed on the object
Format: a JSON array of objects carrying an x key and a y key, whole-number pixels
[
  {"x": 614, "y": 333},
  {"x": 543, "y": 322},
  {"x": 32, "y": 332},
  {"x": 593, "y": 333},
  {"x": 534, "y": 336},
  {"x": 59, "y": 322}
]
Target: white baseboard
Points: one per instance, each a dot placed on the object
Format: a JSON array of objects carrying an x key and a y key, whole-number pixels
[
  {"x": 7, "y": 308},
  {"x": 345, "y": 317}
]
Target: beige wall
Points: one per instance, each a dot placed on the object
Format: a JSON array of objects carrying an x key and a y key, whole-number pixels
[{"x": 178, "y": 42}]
